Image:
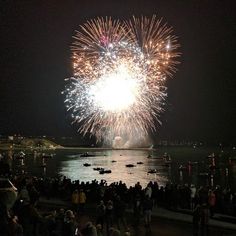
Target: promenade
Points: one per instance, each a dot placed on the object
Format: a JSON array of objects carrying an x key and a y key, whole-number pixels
[{"x": 164, "y": 222}]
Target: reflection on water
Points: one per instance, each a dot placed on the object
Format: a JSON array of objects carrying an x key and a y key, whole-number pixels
[
  {"x": 187, "y": 166},
  {"x": 115, "y": 161}
]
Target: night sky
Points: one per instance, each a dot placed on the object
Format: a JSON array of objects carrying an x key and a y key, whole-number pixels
[{"x": 35, "y": 59}]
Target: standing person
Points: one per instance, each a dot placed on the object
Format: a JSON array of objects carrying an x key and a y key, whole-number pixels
[
  {"x": 148, "y": 191},
  {"x": 109, "y": 215},
  {"x": 33, "y": 193},
  {"x": 75, "y": 200},
  {"x": 29, "y": 218},
  {"x": 82, "y": 200},
  {"x": 69, "y": 225},
  {"x": 119, "y": 207},
  {"x": 204, "y": 219},
  {"x": 114, "y": 232},
  {"x": 193, "y": 196},
  {"x": 4, "y": 217},
  {"x": 137, "y": 210},
  {"x": 89, "y": 229},
  {"x": 196, "y": 220},
  {"x": 99, "y": 230},
  {"x": 211, "y": 202},
  {"x": 101, "y": 211},
  {"x": 24, "y": 194},
  {"x": 14, "y": 228},
  {"x": 147, "y": 209}
]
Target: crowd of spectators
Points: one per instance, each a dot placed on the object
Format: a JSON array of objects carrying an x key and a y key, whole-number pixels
[{"x": 109, "y": 201}]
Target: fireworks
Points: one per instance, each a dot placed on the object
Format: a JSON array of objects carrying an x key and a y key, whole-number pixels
[{"x": 120, "y": 69}]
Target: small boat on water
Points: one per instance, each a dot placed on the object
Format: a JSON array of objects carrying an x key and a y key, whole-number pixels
[
  {"x": 74, "y": 155},
  {"x": 98, "y": 168},
  {"x": 86, "y": 154},
  {"x": 104, "y": 171},
  {"x": 152, "y": 171},
  {"x": 155, "y": 158},
  {"x": 139, "y": 163},
  {"x": 86, "y": 164},
  {"x": 130, "y": 165}
]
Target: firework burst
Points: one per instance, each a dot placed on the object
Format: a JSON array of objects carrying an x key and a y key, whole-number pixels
[{"x": 120, "y": 69}]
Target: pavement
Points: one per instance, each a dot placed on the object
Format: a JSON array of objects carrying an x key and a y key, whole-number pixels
[
  {"x": 172, "y": 222},
  {"x": 187, "y": 217}
]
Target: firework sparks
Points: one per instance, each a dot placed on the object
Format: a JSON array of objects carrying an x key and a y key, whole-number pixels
[{"x": 120, "y": 69}]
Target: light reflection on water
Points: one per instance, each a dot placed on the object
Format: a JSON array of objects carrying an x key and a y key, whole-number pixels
[
  {"x": 69, "y": 163},
  {"x": 74, "y": 169}
]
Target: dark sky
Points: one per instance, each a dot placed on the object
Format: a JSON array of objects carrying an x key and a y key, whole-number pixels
[{"x": 35, "y": 58}]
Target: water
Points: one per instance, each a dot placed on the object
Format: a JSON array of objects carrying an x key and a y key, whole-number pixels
[{"x": 69, "y": 163}]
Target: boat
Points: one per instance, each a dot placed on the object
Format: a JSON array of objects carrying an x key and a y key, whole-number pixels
[
  {"x": 152, "y": 171},
  {"x": 139, "y": 163},
  {"x": 98, "y": 168},
  {"x": 155, "y": 158},
  {"x": 102, "y": 171},
  {"x": 86, "y": 154},
  {"x": 130, "y": 165},
  {"x": 86, "y": 164},
  {"x": 74, "y": 155}
]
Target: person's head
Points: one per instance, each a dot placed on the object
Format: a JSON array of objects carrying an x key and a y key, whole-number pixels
[
  {"x": 89, "y": 224},
  {"x": 61, "y": 211},
  {"x": 114, "y": 232},
  {"x": 15, "y": 219},
  {"x": 69, "y": 214},
  {"x": 99, "y": 227}
]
